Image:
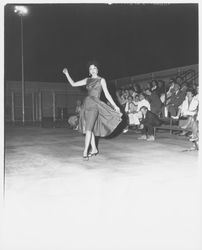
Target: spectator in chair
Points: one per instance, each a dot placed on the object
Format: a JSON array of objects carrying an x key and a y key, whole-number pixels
[
  {"x": 120, "y": 94},
  {"x": 176, "y": 100},
  {"x": 187, "y": 112},
  {"x": 136, "y": 88},
  {"x": 196, "y": 89},
  {"x": 138, "y": 114},
  {"x": 143, "y": 102},
  {"x": 160, "y": 88},
  {"x": 136, "y": 99},
  {"x": 165, "y": 97},
  {"x": 184, "y": 88},
  {"x": 132, "y": 92},
  {"x": 130, "y": 110},
  {"x": 179, "y": 80},
  {"x": 148, "y": 122},
  {"x": 195, "y": 125}
]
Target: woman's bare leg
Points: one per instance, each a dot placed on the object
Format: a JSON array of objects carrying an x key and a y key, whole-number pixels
[
  {"x": 87, "y": 142},
  {"x": 93, "y": 144}
]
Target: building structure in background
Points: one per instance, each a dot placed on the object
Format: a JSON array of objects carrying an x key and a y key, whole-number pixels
[{"x": 57, "y": 101}]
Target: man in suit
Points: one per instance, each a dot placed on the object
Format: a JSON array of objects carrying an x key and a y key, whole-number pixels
[
  {"x": 148, "y": 122},
  {"x": 176, "y": 100}
]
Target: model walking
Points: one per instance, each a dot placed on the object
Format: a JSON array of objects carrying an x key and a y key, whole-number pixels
[{"x": 96, "y": 117}]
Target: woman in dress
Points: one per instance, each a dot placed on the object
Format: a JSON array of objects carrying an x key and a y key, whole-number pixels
[{"x": 96, "y": 117}]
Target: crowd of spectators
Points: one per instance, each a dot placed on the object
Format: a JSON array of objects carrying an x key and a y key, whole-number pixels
[{"x": 175, "y": 99}]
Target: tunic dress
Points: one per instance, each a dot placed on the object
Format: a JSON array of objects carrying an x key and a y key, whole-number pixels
[{"x": 95, "y": 115}]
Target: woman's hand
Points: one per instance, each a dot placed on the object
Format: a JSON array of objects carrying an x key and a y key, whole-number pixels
[{"x": 65, "y": 71}]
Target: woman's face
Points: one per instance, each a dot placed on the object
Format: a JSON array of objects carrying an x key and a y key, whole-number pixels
[
  {"x": 141, "y": 97},
  {"x": 93, "y": 70},
  {"x": 136, "y": 98},
  {"x": 189, "y": 95},
  {"x": 131, "y": 92},
  {"x": 160, "y": 84},
  {"x": 130, "y": 99}
]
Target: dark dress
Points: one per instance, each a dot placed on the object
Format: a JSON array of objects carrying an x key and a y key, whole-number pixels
[{"x": 95, "y": 115}]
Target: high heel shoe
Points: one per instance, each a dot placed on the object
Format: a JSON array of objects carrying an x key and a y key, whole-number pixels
[
  {"x": 90, "y": 154},
  {"x": 85, "y": 157}
]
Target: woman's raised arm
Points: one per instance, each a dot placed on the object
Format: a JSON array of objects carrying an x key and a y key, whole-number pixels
[{"x": 74, "y": 84}]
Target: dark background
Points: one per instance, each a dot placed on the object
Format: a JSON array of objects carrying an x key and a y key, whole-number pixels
[{"x": 127, "y": 39}]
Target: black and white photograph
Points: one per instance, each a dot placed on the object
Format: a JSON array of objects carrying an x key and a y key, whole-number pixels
[{"x": 100, "y": 126}]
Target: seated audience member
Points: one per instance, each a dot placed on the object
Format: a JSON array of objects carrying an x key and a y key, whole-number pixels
[
  {"x": 195, "y": 87},
  {"x": 155, "y": 102},
  {"x": 147, "y": 86},
  {"x": 126, "y": 93},
  {"x": 136, "y": 99},
  {"x": 187, "y": 111},
  {"x": 148, "y": 122},
  {"x": 170, "y": 89},
  {"x": 179, "y": 80},
  {"x": 141, "y": 88},
  {"x": 160, "y": 88},
  {"x": 165, "y": 97},
  {"x": 194, "y": 130},
  {"x": 184, "y": 88},
  {"x": 130, "y": 110},
  {"x": 176, "y": 100},
  {"x": 74, "y": 119},
  {"x": 195, "y": 126},
  {"x": 120, "y": 94},
  {"x": 196, "y": 90},
  {"x": 143, "y": 102},
  {"x": 136, "y": 88},
  {"x": 131, "y": 92}
]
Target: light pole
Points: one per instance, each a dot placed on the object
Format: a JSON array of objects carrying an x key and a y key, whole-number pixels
[{"x": 22, "y": 11}]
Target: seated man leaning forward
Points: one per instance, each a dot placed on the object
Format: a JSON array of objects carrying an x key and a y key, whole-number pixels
[{"x": 148, "y": 122}]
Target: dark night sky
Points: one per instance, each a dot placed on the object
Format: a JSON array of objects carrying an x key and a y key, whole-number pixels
[{"x": 126, "y": 39}]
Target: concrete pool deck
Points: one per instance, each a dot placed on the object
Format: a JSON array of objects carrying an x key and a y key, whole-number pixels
[{"x": 133, "y": 195}]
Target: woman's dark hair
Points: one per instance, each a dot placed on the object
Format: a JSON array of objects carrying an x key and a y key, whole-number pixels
[
  {"x": 93, "y": 62},
  {"x": 191, "y": 90}
]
